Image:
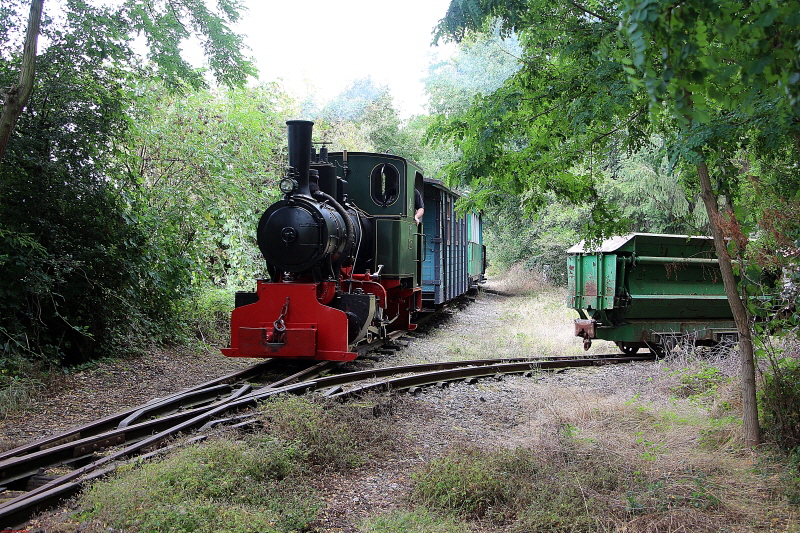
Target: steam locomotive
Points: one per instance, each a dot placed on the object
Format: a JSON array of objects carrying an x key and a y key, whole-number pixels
[{"x": 347, "y": 261}]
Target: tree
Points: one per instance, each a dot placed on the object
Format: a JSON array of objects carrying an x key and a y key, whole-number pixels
[
  {"x": 712, "y": 77},
  {"x": 547, "y": 127},
  {"x": 16, "y": 97},
  {"x": 650, "y": 193},
  {"x": 362, "y": 117},
  {"x": 706, "y": 62},
  {"x": 204, "y": 166},
  {"x": 75, "y": 254},
  {"x": 109, "y": 32},
  {"x": 480, "y": 66}
]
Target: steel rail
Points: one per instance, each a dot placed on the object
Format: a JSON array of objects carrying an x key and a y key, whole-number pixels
[
  {"x": 457, "y": 374},
  {"x": 17, "y": 510},
  {"x": 19, "y": 467},
  {"x": 112, "y": 421}
]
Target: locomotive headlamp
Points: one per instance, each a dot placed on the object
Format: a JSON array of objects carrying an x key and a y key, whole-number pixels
[{"x": 287, "y": 185}]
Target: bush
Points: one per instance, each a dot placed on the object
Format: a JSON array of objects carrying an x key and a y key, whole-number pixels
[
  {"x": 206, "y": 315},
  {"x": 334, "y": 435},
  {"x": 779, "y": 401},
  {"x": 242, "y": 486}
]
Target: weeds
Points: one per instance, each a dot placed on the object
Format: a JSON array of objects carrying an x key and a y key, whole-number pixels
[
  {"x": 16, "y": 393},
  {"x": 529, "y": 492},
  {"x": 417, "y": 521},
  {"x": 334, "y": 435},
  {"x": 699, "y": 383},
  {"x": 259, "y": 483},
  {"x": 234, "y": 486}
]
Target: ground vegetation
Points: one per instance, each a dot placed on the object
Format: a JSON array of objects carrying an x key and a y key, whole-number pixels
[{"x": 646, "y": 447}]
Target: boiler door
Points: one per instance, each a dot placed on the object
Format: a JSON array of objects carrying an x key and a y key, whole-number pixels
[{"x": 295, "y": 237}]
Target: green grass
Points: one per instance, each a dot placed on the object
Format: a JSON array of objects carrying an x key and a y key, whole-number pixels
[
  {"x": 417, "y": 521},
  {"x": 228, "y": 486},
  {"x": 17, "y": 392},
  {"x": 334, "y": 435},
  {"x": 239, "y": 484},
  {"x": 520, "y": 488}
]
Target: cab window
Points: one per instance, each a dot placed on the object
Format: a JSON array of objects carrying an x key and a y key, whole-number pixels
[{"x": 385, "y": 184}]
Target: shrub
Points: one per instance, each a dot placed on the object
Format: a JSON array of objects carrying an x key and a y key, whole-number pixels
[
  {"x": 334, "y": 435},
  {"x": 206, "y": 315},
  {"x": 241, "y": 486},
  {"x": 779, "y": 400}
]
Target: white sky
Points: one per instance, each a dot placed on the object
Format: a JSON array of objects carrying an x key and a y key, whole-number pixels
[{"x": 321, "y": 46}]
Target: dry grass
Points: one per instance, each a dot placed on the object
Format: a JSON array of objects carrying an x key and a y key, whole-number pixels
[
  {"x": 506, "y": 327},
  {"x": 685, "y": 461},
  {"x": 646, "y": 448},
  {"x": 519, "y": 280}
]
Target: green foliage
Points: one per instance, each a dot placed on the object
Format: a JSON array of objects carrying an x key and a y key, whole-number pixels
[
  {"x": 702, "y": 54},
  {"x": 471, "y": 482},
  {"x": 16, "y": 392},
  {"x": 779, "y": 401},
  {"x": 699, "y": 384},
  {"x": 791, "y": 478},
  {"x": 721, "y": 83},
  {"x": 362, "y": 117},
  {"x": 651, "y": 193},
  {"x": 537, "y": 241},
  {"x": 76, "y": 276},
  {"x": 416, "y": 521},
  {"x": 548, "y": 128},
  {"x": 248, "y": 485},
  {"x": 334, "y": 435},
  {"x": 166, "y": 26},
  {"x": 517, "y": 488},
  {"x": 482, "y": 63},
  {"x": 205, "y": 315},
  {"x": 205, "y": 165},
  {"x": 83, "y": 278}
]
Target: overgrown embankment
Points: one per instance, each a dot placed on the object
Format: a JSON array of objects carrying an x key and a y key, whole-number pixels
[{"x": 643, "y": 447}]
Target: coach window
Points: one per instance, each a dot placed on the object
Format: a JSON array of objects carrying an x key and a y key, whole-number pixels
[{"x": 385, "y": 184}]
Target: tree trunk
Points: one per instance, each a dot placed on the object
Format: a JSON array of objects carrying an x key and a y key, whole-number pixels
[
  {"x": 16, "y": 97},
  {"x": 749, "y": 407}
]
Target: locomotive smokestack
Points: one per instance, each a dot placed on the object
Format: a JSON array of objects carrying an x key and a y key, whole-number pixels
[{"x": 299, "y": 132}]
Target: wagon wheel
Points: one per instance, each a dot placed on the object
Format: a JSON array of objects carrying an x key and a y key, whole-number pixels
[
  {"x": 657, "y": 349},
  {"x": 626, "y": 349}
]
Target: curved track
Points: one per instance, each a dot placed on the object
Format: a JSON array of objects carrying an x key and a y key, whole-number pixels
[{"x": 126, "y": 435}]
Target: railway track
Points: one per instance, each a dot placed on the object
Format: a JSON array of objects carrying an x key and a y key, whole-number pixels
[{"x": 94, "y": 450}]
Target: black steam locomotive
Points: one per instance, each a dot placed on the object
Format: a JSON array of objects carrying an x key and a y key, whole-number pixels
[{"x": 347, "y": 260}]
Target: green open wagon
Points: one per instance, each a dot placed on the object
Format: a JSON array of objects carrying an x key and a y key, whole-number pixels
[{"x": 647, "y": 290}]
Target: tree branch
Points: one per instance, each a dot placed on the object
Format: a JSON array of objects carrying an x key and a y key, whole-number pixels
[
  {"x": 16, "y": 97},
  {"x": 588, "y": 12}
]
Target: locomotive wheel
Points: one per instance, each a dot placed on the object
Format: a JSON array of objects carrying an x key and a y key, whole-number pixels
[{"x": 626, "y": 349}]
